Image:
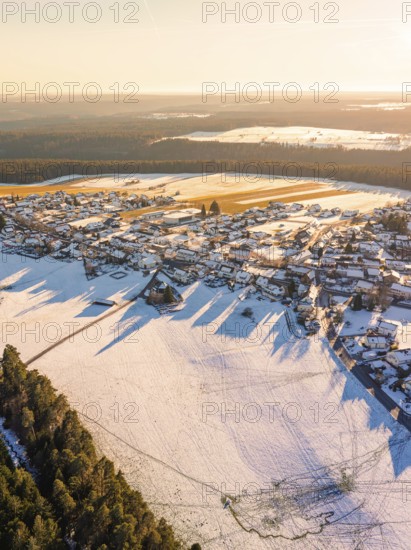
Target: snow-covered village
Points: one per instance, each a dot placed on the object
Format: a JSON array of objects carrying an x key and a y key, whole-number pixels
[
  {"x": 205, "y": 276},
  {"x": 343, "y": 272}
]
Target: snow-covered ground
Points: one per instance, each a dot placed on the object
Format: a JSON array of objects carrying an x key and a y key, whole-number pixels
[
  {"x": 360, "y": 321},
  {"x": 48, "y": 300},
  {"x": 308, "y": 136},
  {"x": 16, "y": 451},
  {"x": 186, "y": 187},
  {"x": 312, "y": 458},
  {"x": 383, "y": 106}
]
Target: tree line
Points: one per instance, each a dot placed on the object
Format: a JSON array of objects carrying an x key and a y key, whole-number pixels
[
  {"x": 152, "y": 141},
  {"x": 24, "y": 171},
  {"x": 79, "y": 494}
]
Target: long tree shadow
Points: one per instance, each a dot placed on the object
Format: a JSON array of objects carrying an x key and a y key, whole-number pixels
[
  {"x": 196, "y": 298},
  {"x": 127, "y": 329},
  {"x": 47, "y": 286},
  {"x": 379, "y": 418}
]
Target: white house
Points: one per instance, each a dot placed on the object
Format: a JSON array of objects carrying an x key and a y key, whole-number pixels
[
  {"x": 243, "y": 277},
  {"x": 227, "y": 271},
  {"x": 401, "y": 291},
  {"x": 186, "y": 255},
  {"x": 354, "y": 273},
  {"x": 181, "y": 276},
  {"x": 364, "y": 287},
  {"x": 149, "y": 262},
  {"x": 306, "y": 305},
  {"x": 273, "y": 291},
  {"x": 399, "y": 358},
  {"x": 387, "y": 329},
  {"x": 375, "y": 342}
]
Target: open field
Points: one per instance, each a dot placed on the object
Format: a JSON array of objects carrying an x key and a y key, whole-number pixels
[
  {"x": 234, "y": 192},
  {"x": 134, "y": 214},
  {"x": 188, "y": 419},
  {"x": 308, "y": 136},
  {"x": 241, "y": 202}
]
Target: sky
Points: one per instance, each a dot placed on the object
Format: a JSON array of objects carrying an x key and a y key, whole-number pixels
[{"x": 177, "y": 45}]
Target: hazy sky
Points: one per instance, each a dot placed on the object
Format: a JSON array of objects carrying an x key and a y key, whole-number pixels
[{"x": 171, "y": 48}]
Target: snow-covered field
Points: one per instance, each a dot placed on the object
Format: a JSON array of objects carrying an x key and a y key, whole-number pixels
[
  {"x": 308, "y": 136},
  {"x": 247, "y": 190},
  {"x": 33, "y": 293},
  {"x": 383, "y": 106},
  {"x": 240, "y": 191},
  {"x": 312, "y": 458}
]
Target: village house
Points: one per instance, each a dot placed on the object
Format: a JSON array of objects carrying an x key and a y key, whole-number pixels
[
  {"x": 364, "y": 287},
  {"x": 306, "y": 305},
  {"x": 399, "y": 358},
  {"x": 375, "y": 342},
  {"x": 387, "y": 329},
  {"x": 400, "y": 291},
  {"x": 149, "y": 262},
  {"x": 244, "y": 277},
  {"x": 181, "y": 276},
  {"x": 186, "y": 255}
]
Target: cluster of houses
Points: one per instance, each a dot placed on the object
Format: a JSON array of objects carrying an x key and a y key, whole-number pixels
[
  {"x": 302, "y": 255},
  {"x": 384, "y": 353},
  {"x": 358, "y": 256}
]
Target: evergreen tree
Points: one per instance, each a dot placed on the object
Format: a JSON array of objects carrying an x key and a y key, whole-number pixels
[
  {"x": 168, "y": 295},
  {"x": 203, "y": 212},
  {"x": 81, "y": 494},
  {"x": 215, "y": 208},
  {"x": 357, "y": 304}
]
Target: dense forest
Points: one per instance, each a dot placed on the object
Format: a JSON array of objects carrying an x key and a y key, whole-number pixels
[
  {"x": 153, "y": 143},
  {"x": 117, "y": 145},
  {"x": 26, "y": 518},
  {"x": 79, "y": 494}
]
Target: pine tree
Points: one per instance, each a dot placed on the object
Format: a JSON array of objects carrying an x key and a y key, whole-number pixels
[
  {"x": 291, "y": 288},
  {"x": 357, "y": 305},
  {"x": 203, "y": 212},
  {"x": 215, "y": 208},
  {"x": 168, "y": 295}
]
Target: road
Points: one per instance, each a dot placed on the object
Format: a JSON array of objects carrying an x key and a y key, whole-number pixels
[{"x": 362, "y": 373}]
